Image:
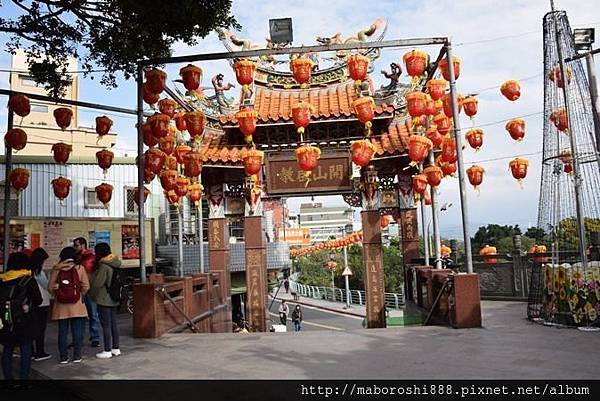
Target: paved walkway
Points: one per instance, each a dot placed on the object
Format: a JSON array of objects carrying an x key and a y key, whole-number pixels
[
  {"x": 507, "y": 347},
  {"x": 356, "y": 310}
]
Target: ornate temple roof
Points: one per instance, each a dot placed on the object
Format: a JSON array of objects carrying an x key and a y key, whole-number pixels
[
  {"x": 330, "y": 102},
  {"x": 217, "y": 149}
]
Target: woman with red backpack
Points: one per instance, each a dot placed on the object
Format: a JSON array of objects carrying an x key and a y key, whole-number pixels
[
  {"x": 68, "y": 283},
  {"x": 19, "y": 296}
]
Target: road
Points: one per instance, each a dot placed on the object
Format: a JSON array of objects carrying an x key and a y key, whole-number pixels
[{"x": 318, "y": 319}]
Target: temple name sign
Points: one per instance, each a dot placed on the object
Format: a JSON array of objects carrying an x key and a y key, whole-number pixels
[{"x": 332, "y": 175}]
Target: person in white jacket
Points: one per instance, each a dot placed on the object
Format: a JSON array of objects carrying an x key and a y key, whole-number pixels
[
  {"x": 38, "y": 257},
  {"x": 284, "y": 311}
]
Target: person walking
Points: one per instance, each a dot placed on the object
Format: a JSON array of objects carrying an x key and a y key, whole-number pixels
[
  {"x": 297, "y": 318},
  {"x": 40, "y": 316},
  {"x": 87, "y": 259},
  {"x": 284, "y": 311},
  {"x": 106, "y": 263},
  {"x": 69, "y": 284},
  {"x": 19, "y": 296},
  {"x": 286, "y": 285}
]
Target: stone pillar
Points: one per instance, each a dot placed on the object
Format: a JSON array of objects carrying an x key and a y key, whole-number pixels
[
  {"x": 410, "y": 234},
  {"x": 256, "y": 273},
  {"x": 218, "y": 250},
  {"x": 373, "y": 269}
]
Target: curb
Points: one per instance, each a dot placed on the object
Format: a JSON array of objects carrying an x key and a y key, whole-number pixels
[{"x": 319, "y": 307}]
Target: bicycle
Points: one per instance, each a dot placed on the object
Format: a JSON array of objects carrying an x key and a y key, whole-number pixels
[{"x": 127, "y": 294}]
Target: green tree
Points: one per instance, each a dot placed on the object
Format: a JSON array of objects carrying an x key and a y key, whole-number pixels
[
  {"x": 567, "y": 233},
  {"x": 536, "y": 233},
  {"x": 491, "y": 234},
  {"x": 110, "y": 34}
]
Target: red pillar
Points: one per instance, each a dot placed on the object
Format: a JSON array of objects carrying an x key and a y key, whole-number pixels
[{"x": 373, "y": 268}]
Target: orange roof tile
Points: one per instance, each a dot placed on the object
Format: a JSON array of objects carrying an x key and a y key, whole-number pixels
[{"x": 275, "y": 105}]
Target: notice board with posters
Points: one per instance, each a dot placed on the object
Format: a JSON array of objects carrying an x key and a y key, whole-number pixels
[{"x": 56, "y": 233}]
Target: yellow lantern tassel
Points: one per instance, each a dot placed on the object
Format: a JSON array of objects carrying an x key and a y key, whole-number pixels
[{"x": 368, "y": 126}]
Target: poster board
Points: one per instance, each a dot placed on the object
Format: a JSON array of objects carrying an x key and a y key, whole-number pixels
[{"x": 53, "y": 234}]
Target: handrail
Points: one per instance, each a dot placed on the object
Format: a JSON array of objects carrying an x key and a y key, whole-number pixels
[
  {"x": 162, "y": 291},
  {"x": 392, "y": 300}
]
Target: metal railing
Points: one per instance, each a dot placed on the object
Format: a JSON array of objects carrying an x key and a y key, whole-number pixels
[{"x": 357, "y": 297}]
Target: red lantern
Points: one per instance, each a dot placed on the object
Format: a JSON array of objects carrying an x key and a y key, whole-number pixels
[
  {"x": 105, "y": 159},
  {"x": 511, "y": 90},
  {"x": 167, "y": 144},
  {"x": 170, "y": 163},
  {"x": 419, "y": 182},
  {"x": 253, "y": 161},
  {"x": 362, "y": 152},
  {"x": 437, "y": 88},
  {"x": 136, "y": 196},
  {"x": 168, "y": 179},
  {"x": 193, "y": 165},
  {"x": 16, "y": 138},
  {"x": 416, "y": 62},
  {"x": 430, "y": 109},
  {"x": 308, "y": 157},
  {"x": 194, "y": 121},
  {"x": 447, "y": 104},
  {"x": 63, "y": 116},
  {"x": 449, "y": 169},
  {"x": 149, "y": 138},
  {"x": 538, "y": 249},
  {"x": 104, "y": 193},
  {"x": 444, "y": 67},
  {"x": 475, "y": 138},
  {"x": 148, "y": 176},
  {"x": 434, "y": 175},
  {"x": 475, "y": 175},
  {"x": 301, "y": 69},
  {"x": 19, "y": 104},
  {"x": 559, "y": 118},
  {"x": 103, "y": 125},
  {"x": 449, "y": 153},
  {"x": 567, "y": 158},
  {"x": 167, "y": 106},
  {"x": 470, "y": 104},
  {"x": 195, "y": 193},
  {"x": 516, "y": 128},
  {"x": 247, "y": 122},
  {"x": 244, "y": 72},
  {"x": 156, "y": 80},
  {"x": 301, "y": 115},
  {"x": 518, "y": 168},
  {"x": 61, "y": 187},
  {"x": 159, "y": 123},
  {"x": 154, "y": 160},
  {"x": 434, "y": 136},
  {"x": 418, "y": 148},
  {"x": 181, "y": 152},
  {"x": 172, "y": 197},
  {"x": 364, "y": 107},
  {"x": 415, "y": 103},
  {"x": 191, "y": 76},
  {"x": 358, "y": 67},
  {"x": 19, "y": 178},
  {"x": 442, "y": 123},
  {"x": 489, "y": 254},
  {"x": 180, "y": 121},
  {"x": 149, "y": 97},
  {"x": 61, "y": 152},
  {"x": 181, "y": 186},
  {"x": 556, "y": 77}
]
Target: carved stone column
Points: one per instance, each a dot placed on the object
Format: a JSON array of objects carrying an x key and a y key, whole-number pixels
[
  {"x": 256, "y": 258},
  {"x": 218, "y": 253},
  {"x": 373, "y": 269},
  {"x": 407, "y": 218}
]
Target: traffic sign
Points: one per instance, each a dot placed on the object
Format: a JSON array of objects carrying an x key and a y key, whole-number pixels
[{"x": 347, "y": 272}]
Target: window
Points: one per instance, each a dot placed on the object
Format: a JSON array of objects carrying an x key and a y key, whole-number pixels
[
  {"x": 130, "y": 205},
  {"x": 39, "y": 108},
  {"x": 27, "y": 81},
  {"x": 13, "y": 202},
  {"x": 91, "y": 199}
]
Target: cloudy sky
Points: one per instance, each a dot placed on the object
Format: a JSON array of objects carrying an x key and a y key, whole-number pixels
[{"x": 496, "y": 40}]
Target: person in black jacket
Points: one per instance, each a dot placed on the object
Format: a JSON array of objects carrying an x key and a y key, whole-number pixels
[{"x": 23, "y": 331}]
